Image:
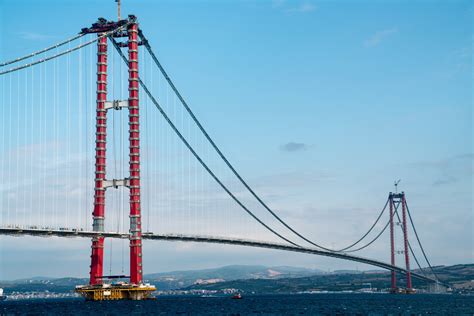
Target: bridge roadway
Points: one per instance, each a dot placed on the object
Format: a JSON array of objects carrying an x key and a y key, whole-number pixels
[{"x": 71, "y": 233}]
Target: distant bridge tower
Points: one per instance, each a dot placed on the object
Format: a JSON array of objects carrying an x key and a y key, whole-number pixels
[
  {"x": 395, "y": 200},
  {"x": 135, "y": 289}
]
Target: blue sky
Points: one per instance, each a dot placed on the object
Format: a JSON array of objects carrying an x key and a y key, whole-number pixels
[{"x": 321, "y": 105}]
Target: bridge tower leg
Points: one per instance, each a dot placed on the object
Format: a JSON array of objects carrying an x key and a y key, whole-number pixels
[
  {"x": 392, "y": 244},
  {"x": 97, "y": 257},
  {"x": 405, "y": 241},
  {"x": 134, "y": 133}
]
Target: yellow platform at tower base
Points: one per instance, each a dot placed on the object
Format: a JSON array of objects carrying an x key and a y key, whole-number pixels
[
  {"x": 110, "y": 292},
  {"x": 402, "y": 291}
]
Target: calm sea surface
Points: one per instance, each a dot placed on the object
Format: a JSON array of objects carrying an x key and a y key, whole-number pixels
[{"x": 311, "y": 304}]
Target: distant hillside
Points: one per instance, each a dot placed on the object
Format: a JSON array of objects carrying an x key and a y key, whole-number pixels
[
  {"x": 179, "y": 279},
  {"x": 260, "y": 279},
  {"x": 461, "y": 277},
  {"x": 168, "y": 280}
]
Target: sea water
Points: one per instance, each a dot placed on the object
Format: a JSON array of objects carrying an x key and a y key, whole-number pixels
[{"x": 304, "y": 304}]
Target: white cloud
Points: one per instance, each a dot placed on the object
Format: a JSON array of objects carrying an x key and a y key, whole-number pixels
[
  {"x": 284, "y": 5},
  {"x": 33, "y": 36},
  {"x": 278, "y": 3},
  {"x": 379, "y": 36},
  {"x": 303, "y": 8}
]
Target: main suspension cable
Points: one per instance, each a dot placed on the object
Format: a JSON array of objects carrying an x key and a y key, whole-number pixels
[
  {"x": 419, "y": 242},
  {"x": 370, "y": 229},
  {"x": 226, "y": 161},
  {"x": 372, "y": 241},
  {"x": 376, "y": 237},
  {"x": 42, "y": 51},
  {"x": 191, "y": 149},
  {"x": 64, "y": 52}
]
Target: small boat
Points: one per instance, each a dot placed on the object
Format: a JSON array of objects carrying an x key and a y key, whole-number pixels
[
  {"x": 2, "y": 297},
  {"x": 237, "y": 296}
]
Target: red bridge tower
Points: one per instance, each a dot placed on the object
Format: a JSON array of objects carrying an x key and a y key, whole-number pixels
[
  {"x": 135, "y": 289},
  {"x": 395, "y": 200}
]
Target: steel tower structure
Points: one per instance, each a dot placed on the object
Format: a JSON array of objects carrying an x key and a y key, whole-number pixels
[
  {"x": 97, "y": 289},
  {"x": 395, "y": 200}
]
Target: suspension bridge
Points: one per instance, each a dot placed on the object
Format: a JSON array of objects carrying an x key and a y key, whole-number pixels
[{"x": 178, "y": 183}]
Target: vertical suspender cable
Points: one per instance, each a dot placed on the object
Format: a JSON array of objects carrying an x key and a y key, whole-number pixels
[
  {"x": 56, "y": 136},
  {"x": 68, "y": 135},
  {"x": 114, "y": 144},
  {"x": 147, "y": 144},
  {"x": 81, "y": 144},
  {"x": 25, "y": 121},
  {"x": 17, "y": 159},
  {"x": 2, "y": 153},
  {"x": 122, "y": 153},
  {"x": 86, "y": 139},
  {"x": 41, "y": 135},
  {"x": 10, "y": 119},
  {"x": 32, "y": 129}
]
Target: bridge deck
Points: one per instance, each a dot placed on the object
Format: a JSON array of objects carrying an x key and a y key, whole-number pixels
[{"x": 71, "y": 233}]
